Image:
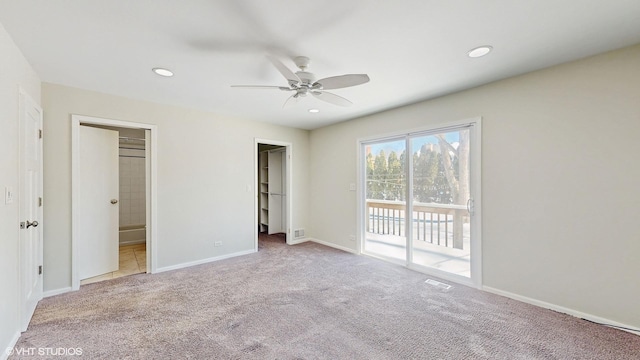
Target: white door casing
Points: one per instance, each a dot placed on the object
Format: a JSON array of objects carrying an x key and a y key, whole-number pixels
[
  {"x": 30, "y": 207},
  {"x": 288, "y": 186},
  {"x": 147, "y": 195},
  {"x": 98, "y": 201}
]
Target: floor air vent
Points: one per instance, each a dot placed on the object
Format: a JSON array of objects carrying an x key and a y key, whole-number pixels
[
  {"x": 298, "y": 233},
  {"x": 438, "y": 284}
]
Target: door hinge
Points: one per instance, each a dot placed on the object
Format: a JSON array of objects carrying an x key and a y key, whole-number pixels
[
  {"x": 40, "y": 270},
  {"x": 39, "y": 133},
  {"x": 40, "y": 201}
]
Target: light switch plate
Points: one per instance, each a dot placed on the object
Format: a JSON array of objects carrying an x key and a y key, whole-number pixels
[
  {"x": 352, "y": 187},
  {"x": 8, "y": 194}
]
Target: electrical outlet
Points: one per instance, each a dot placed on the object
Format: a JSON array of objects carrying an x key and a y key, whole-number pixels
[
  {"x": 217, "y": 243},
  {"x": 8, "y": 195},
  {"x": 352, "y": 238}
]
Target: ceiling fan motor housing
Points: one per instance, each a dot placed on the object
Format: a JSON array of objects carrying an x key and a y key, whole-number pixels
[{"x": 306, "y": 77}]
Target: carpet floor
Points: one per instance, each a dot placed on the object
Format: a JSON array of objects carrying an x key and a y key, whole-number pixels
[{"x": 306, "y": 301}]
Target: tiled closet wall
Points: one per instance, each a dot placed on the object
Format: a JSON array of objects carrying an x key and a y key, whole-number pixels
[{"x": 132, "y": 187}]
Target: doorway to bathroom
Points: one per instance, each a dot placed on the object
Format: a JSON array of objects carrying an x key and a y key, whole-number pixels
[{"x": 113, "y": 192}]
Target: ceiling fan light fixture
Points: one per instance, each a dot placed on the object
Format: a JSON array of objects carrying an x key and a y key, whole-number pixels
[
  {"x": 314, "y": 111},
  {"x": 480, "y": 51},
  {"x": 163, "y": 72}
]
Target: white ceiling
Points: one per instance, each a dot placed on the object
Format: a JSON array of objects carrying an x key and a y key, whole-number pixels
[{"x": 411, "y": 49}]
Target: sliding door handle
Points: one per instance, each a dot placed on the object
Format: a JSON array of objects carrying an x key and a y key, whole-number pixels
[{"x": 470, "y": 206}]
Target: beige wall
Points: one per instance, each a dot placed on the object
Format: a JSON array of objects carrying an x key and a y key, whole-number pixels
[
  {"x": 205, "y": 163},
  {"x": 15, "y": 73},
  {"x": 560, "y": 181},
  {"x": 560, "y": 176}
]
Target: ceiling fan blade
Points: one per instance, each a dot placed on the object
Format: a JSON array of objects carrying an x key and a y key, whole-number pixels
[
  {"x": 343, "y": 81},
  {"x": 292, "y": 100},
  {"x": 331, "y": 98},
  {"x": 284, "y": 70},
  {"x": 283, "y": 88}
]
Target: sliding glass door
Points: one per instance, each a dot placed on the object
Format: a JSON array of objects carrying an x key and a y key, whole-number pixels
[
  {"x": 440, "y": 193},
  {"x": 385, "y": 204},
  {"x": 418, "y": 202}
]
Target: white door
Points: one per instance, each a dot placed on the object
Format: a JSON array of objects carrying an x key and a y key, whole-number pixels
[
  {"x": 30, "y": 207},
  {"x": 276, "y": 191},
  {"x": 98, "y": 201}
]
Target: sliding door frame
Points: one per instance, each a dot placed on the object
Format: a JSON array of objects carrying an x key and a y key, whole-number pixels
[{"x": 475, "y": 135}]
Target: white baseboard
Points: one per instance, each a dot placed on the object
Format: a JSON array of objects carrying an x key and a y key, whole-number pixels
[
  {"x": 203, "y": 261},
  {"x": 4, "y": 351},
  {"x": 298, "y": 241},
  {"x": 562, "y": 309},
  {"x": 56, "y": 292},
  {"x": 339, "y": 247}
]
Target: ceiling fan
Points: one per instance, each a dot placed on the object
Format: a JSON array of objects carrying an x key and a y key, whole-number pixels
[{"x": 303, "y": 83}]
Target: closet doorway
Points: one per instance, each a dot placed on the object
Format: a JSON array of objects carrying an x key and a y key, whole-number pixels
[
  {"x": 273, "y": 190},
  {"x": 113, "y": 176}
]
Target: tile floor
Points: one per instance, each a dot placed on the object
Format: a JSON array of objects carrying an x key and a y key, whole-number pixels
[{"x": 133, "y": 260}]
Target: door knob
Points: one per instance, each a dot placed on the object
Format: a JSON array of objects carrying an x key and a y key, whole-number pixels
[
  {"x": 114, "y": 201},
  {"x": 32, "y": 223}
]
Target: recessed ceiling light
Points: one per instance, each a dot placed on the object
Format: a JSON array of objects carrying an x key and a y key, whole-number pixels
[
  {"x": 314, "y": 110},
  {"x": 480, "y": 51},
  {"x": 163, "y": 72}
]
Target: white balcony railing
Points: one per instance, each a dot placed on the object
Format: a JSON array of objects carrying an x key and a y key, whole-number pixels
[{"x": 438, "y": 224}]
